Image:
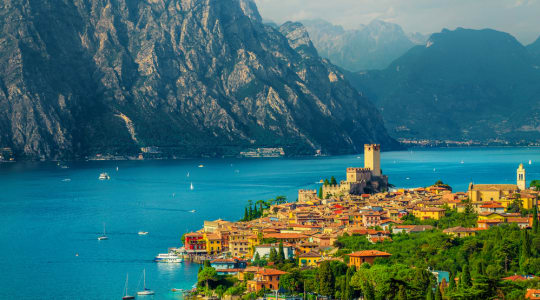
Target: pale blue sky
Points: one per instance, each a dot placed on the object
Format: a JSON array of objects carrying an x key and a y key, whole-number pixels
[{"x": 520, "y": 18}]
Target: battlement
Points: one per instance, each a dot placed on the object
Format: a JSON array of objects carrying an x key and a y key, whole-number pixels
[
  {"x": 306, "y": 195},
  {"x": 372, "y": 147},
  {"x": 307, "y": 191},
  {"x": 358, "y": 170}
]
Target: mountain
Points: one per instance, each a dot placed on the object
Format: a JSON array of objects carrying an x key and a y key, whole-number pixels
[
  {"x": 463, "y": 84},
  {"x": 534, "y": 49},
  {"x": 373, "y": 46},
  {"x": 191, "y": 77}
]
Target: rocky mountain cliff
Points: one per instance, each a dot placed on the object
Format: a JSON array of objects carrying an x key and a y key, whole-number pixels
[
  {"x": 374, "y": 46},
  {"x": 534, "y": 49},
  {"x": 463, "y": 84},
  {"x": 192, "y": 77}
]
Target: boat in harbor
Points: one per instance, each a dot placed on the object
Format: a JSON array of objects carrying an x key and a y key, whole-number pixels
[
  {"x": 126, "y": 295},
  {"x": 192, "y": 211},
  {"x": 143, "y": 232},
  {"x": 104, "y": 236},
  {"x": 191, "y": 187},
  {"x": 104, "y": 176},
  {"x": 145, "y": 291},
  {"x": 170, "y": 257}
]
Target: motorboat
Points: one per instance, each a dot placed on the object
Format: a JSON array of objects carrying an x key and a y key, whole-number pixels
[
  {"x": 168, "y": 258},
  {"x": 104, "y": 176},
  {"x": 143, "y": 232}
]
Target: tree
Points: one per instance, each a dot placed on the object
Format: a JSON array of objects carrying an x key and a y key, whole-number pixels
[
  {"x": 292, "y": 281},
  {"x": 535, "y": 220},
  {"x": 438, "y": 293},
  {"x": 326, "y": 182},
  {"x": 280, "y": 200},
  {"x": 220, "y": 291},
  {"x": 320, "y": 193},
  {"x": 257, "y": 260},
  {"x": 465, "y": 278},
  {"x": 402, "y": 293},
  {"x": 452, "y": 283},
  {"x": 429, "y": 294},
  {"x": 526, "y": 251},
  {"x": 326, "y": 279},
  {"x": 281, "y": 253},
  {"x": 273, "y": 255},
  {"x": 246, "y": 215},
  {"x": 368, "y": 291},
  {"x": 349, "y": 291},
  {"x": 333, "y": 181},
  {"x": 207, "y": 274}
]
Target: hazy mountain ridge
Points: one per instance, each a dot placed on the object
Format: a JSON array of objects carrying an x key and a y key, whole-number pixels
[
  {"x": 193, "y": 77},
  {"x": 373, "y": 46},
  {"x": 463, "y": 84}
]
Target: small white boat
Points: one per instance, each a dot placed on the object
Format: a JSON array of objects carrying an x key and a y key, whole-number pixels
[
  {"x": 104, "y": 176},
  {"x": 104, "y": 236},
  {"x": 530, "y": 162},
  {"x": 177, "y": 290},
  {"x": 66, "y": 180},
  {"x": 126, "y": 296},
  {"x": 191, "y": 187},
  {"x": 462, "y": 162},
  {"x": 143, "y": 232},
  {"x": 145, "y": 291},
  {"x": 116, "y": 169},
  {"x": 192, "y": 211},
  {"x": 201, "y": 166}
]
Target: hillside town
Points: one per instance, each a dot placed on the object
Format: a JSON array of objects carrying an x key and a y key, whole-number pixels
[{"x": 307, "y": 232}]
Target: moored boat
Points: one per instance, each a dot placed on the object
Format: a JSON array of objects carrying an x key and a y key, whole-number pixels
[
  {"x": 104, "y": 176},
  {"x": 145, "y": 291},
  {"x": 168, "y": 258},
  {"x": 143, "y": 232}
]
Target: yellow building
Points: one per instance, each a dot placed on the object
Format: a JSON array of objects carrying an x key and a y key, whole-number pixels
[
  {"x": 491, "y": 216},
  {"x": 426, "y": 213},
  {"x": 213, "y": 243},
  {"x": 309, "y": 259},
  {"x": 528, "y": 201},
  {"x": 491, "y": 192}
]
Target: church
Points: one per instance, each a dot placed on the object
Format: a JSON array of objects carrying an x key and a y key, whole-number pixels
[
  {"x": 503, "y": 193},
  {"x": 366, "y": 180}
]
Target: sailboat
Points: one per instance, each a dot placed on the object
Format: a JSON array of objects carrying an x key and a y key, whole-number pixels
[
  {"x": 191, "y": 186},
  {"x": 126, "y": 296},
  {"x": 145, "y": 291},
  {"x": 104, "y": 236},
  {"x": 530, "y": 162}
]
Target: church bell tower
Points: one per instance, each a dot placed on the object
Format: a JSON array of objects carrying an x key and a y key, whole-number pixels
[{"x": 521, "y": 180}]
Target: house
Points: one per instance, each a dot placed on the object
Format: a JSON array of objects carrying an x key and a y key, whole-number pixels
[
  {"x": 309, "y": 259},
  {"x": 287, "y": 237},
  {"x": 519, "y": 277},
  {"x": 228, "y": 266},
  {"x": 195, "y": 243},
  {"x": 521, "y": 222},
  {"x": 265, "y": 279},
  {"x": 533, "y": 294},
  {"x": 213, "y": 243},
  {"x": 425, "y": 213},
  {"x": 488, "y": 223},
  {"x": 366, "y": 256},
  {"x": 493, "y": 207},
  {"x": 264, "y": 250},
  {"x": 460, "y": 231},
  {"x": 411, "y": 228}
]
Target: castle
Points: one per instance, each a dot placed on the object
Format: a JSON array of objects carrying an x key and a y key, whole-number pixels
[{"x": 362, "y": 180}]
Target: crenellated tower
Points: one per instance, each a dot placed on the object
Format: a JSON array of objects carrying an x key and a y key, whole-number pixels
[{"x": 372, "y": 158}]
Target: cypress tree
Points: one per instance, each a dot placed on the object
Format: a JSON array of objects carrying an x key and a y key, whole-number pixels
[
  {"x": 526, "y": 251},
  {"x": 333, "y": 181},
  {"x": 326, "y": 182},
  {"x": 257, "y": 260},
  {"x": 465, "y": 279},
  {"x": 255, "y": 212},
  {"x": 429, "y": 293},
  {"x": 452, "y": 283},
  {"x": 281, "y": 253},
  {"x": 261, "y": 210},
  {"x": 246, "y": 215},
  {"x": 326, "y": 280},
  {"x": 273, "y": 255},
  {"x": 320, "y": 193},
  {"x": 349, "y": 292},
  {"x": 535, "y": 220},
  {"x": 368, "y": 291},
  {"x": 438, "y": 294},
  {"x": 250, "y": 212}
]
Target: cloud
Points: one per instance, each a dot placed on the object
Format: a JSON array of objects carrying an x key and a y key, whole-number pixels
[{"x": 518, "y": 17}]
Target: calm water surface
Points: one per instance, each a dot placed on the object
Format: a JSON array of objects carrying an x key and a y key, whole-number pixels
[{"x": 49, "y": 214}]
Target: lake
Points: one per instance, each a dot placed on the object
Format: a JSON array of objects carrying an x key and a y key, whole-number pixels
[{"x": 50, "y": 217}]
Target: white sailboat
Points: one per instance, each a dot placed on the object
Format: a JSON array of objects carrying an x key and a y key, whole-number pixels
[
  {"x": 104, "y": 236},
  {"x": 191, "y": 187},
  {"x": 126, "y": 296},
  {"x": 145, "y": 291}
]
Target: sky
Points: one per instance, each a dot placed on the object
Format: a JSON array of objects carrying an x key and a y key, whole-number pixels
[{"x": 521, "y": 18}]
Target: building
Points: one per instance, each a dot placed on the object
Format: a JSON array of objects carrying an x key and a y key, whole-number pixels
[
  {"x": 195, "y": 243},
  {"x": 309, "y": 259},
  {"x": 491, "y": 192},
  {"x": 533, "y": 294},
  {"x": 460, "y": 231},
  {"x": 366, "y": 256},
  {"x": 368, "y": 179},
  {"x": 521, "y": 181},
  {"x": 213, "y": 243},
  {"x": 425, "y": 213},
  {"x": 264, "y": 250},
  {"x": 265, "y": 279},
  {"x": 230, "y": 266},
  {"x": 493, "y": 207},
  {"x": 306, "y": 195}
]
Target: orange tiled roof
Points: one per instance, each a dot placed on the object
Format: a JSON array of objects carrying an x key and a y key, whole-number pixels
[
  {"x": 270, "y": 272},
  {"x": 284, "y": 236}
]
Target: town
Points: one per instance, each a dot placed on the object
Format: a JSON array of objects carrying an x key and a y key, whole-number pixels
[{"x": 284, "y": 249}]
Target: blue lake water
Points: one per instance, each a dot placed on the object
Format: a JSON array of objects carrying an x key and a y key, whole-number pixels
[{"x": 46, "y": 220}]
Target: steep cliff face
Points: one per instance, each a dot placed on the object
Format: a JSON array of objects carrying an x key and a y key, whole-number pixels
[{"x": 193, "y": 77}]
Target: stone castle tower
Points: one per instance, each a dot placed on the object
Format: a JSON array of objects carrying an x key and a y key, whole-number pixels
[
  {"x": 521, "y": 180},
  {"x": 372, "y": 158}
]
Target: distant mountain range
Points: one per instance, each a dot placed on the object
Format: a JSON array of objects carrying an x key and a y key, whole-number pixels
[
  {"x": 188, "y": 77},
  {"x": 462, "y": 84},
  {"x": 373, "y": 46}
]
